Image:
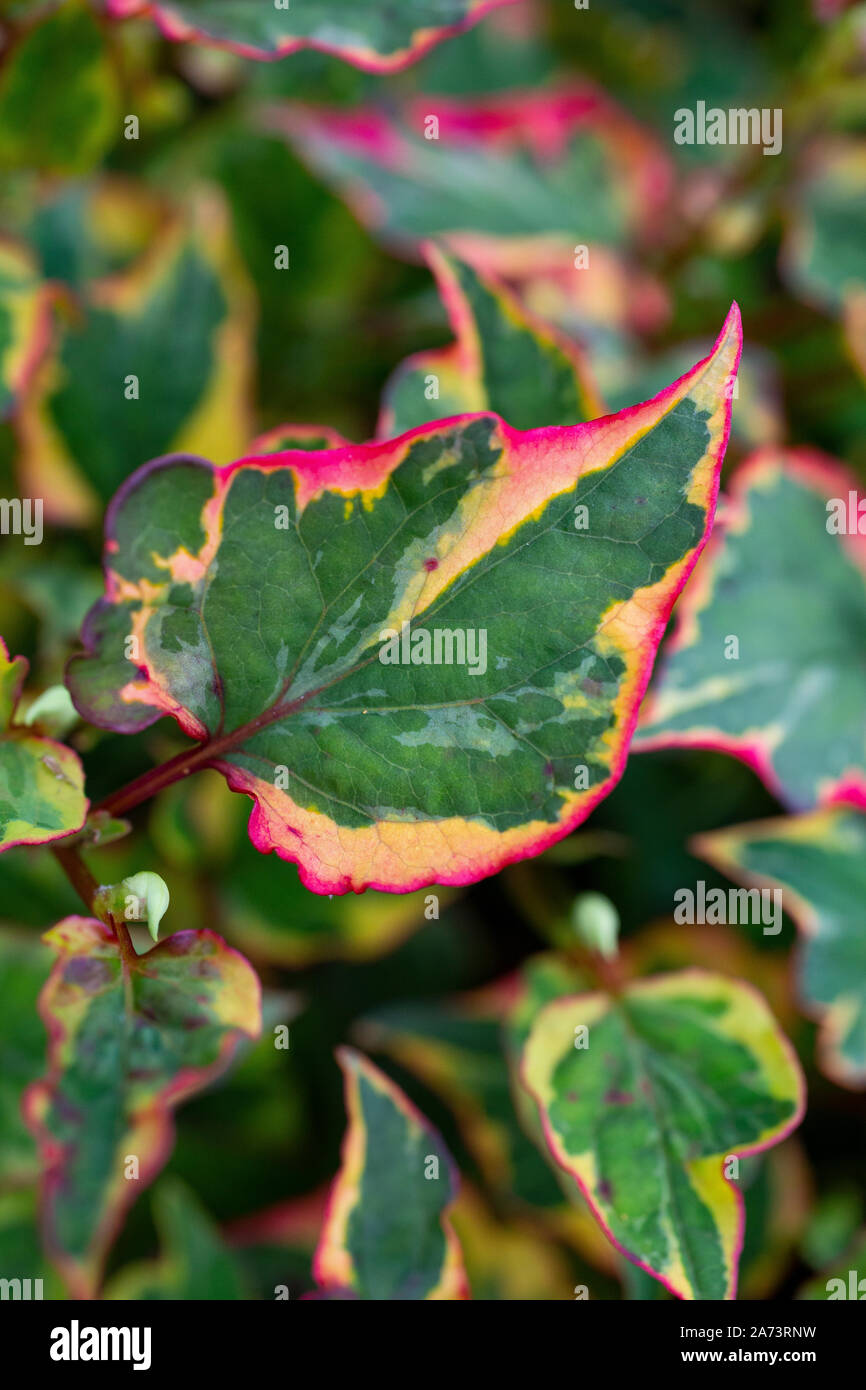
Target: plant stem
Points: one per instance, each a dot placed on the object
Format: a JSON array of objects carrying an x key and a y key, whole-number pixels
[
  {"x": 77, "y": 872},
  {"x": 85, "y": 885},
  {"x": 155, "y": 779}
]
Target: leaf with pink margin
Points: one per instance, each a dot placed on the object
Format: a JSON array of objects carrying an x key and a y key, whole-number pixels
[
  {"x": 512, "y": 166},
  {"x": 504, "y": 360},
  {"x": 790, "y": 701},
  {"x": 41, "y": 781},
  {"x": 127, "y": 1043},
  {"x": 386, "y": 1234},
  {"x": 369, "y": 34},
  {"x": 644, "y": 1098},
  {"x": 264, "y": 596},
  {"x": 818, "y": 862}
]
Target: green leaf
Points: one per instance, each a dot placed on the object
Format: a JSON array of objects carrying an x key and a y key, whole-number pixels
[
  {"x": 643, "y": 1099},
  {"x": 370, "y": 34},
  {"x": 818, "y": 860},
  {"x": 24, "y": 965},
  {"x": 59, "y": 97},
  {"x": 513, "y": 166},
  {"x": 41, "y": 781},
  {"x": 779, "y": 684},
  {"x": 195, "y": 1263},
  {"x": 273, "y": 604},
  {"x": 159, "y": 359},
  {"x": 128, "y": 1041},
  {"x": 503, "y": 360},
  {"x": 386, "y": 1236}
]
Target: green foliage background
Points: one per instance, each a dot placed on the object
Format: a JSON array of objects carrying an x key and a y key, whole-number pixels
[{"x": 327, "y": 333}]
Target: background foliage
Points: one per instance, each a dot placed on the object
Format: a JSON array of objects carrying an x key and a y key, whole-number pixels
[{"x": 159, "y": 252}]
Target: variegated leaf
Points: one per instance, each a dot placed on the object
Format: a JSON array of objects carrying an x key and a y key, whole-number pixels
[
  {"x": 370, "y": 34},
  {"x": 386, "y": 1235},
  {"x": 422, "y": 658},
  {"x": 59, "y": 94},
  {"x": 567, "y": 163},
  {"x": 41, "y": 781},
  {"x": 646, "y": 1097},
  {"x": 818, "y": 860},
  {"x": 25, "y": 322},
  {"x": 503, "y": 360},
  {"x": 776, "y": 682},
  {"x": 158, "y": 359},
  {"x": 128, "y": 1041}
]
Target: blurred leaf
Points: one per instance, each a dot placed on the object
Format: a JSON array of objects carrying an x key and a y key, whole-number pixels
[
  {"x": 825, "y": 251},
  {"x": 128, "y": 1042},
  {"x": 819, "y": 863},
  {"x": 502, "y": 361},
  {"x": 615, "y": 1081},
  {"x": 195, "y": 1263},
  {"x": 159, "y": 359},
  {"x": 372, "y": 34},
  {"x": 59, "y": 97},
  {"x": 25, "y": 320},
  {"x": 24, "y": 965},
  {"x": 512, "y": 166},
  {"x": 385, "y": 1234},
  {"x": 41, "y": 781},
  {"x": 788, "y": 698},
  {"x": 845, "y": 1278}
]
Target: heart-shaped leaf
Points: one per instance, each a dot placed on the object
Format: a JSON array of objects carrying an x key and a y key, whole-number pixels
[
  {"x": 386, "y": 1236},
  {"x": 156, "y": 358},
  {"x": 129, "y": 1039},
  {"x": 421, "y": 658},
  {"x": 41, "y": 781},
  {"x": 371, "y": 34},
  {"x": 503, "y": 360},
  {"x": 522, "y": 165},
  {"x": 776, "y": 683},
  {"x": 646, "y": 1099},
  {"x": 819, "y": 862}
]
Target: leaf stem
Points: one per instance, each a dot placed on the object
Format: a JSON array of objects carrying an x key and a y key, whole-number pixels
[
  {"x": 82, "y": 880},
  {"x": 86, "y": 886}
]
